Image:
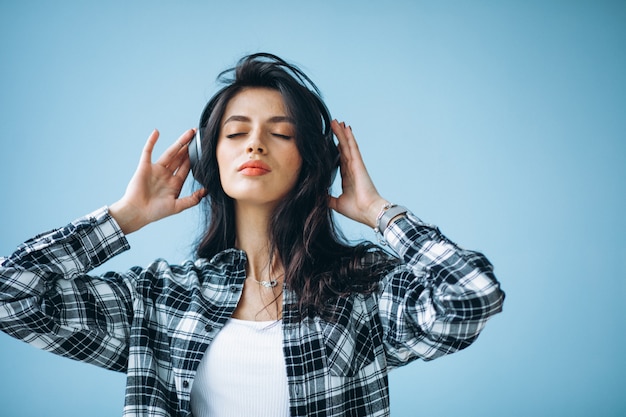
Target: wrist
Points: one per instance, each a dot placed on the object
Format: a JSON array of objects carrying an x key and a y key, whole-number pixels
[
  {"x": 125, "y": 216},
  {"x": 386, "y": 215},
  {"x": 374, "y": 211}
]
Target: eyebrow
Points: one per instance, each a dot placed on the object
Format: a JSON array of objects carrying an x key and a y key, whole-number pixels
[{"x": 273, "y": 119}]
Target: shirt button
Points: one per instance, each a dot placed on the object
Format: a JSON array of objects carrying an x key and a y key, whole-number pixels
[
  {"x": 185, "y": 384},
  {"x": 208, "y": 328},
  {"x": 233, "y": 288}
]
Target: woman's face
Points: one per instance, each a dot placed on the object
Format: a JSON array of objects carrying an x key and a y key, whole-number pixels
[{"x": 257, "y": 155}]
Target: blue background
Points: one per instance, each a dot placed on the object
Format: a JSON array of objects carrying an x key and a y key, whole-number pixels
[{"x": 503, "y": 122}]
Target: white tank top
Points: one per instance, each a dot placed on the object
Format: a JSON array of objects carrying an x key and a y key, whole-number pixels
[{"x": 243, "y": 373}]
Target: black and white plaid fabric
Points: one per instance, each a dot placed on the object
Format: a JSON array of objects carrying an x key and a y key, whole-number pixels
[{"x": 155, "y": 323}]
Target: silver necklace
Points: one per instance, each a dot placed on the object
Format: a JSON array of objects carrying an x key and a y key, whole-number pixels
[{"x": 268, "y": 284}]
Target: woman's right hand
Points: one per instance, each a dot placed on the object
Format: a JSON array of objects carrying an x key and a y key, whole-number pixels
[{"x": 154, "y": 190}]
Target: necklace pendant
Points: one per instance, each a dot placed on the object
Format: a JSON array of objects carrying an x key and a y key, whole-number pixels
[{"x": 268, "y": 284}]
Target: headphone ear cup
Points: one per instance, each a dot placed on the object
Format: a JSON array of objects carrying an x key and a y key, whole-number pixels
[{"x": 195, "y": 155}]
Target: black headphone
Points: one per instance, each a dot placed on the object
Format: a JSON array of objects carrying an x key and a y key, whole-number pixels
[
  {"x": 195, "y": 154},
  {"x": 195, "y": 146}
]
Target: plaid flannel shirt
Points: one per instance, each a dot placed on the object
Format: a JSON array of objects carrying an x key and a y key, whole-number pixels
[{"x": 155, "y": 323}]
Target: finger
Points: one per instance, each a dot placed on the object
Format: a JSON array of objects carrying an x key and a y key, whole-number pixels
[
  {"x": 146, "y": 154},
  {"x": 181, "y": 143},
  {"x": 352, "y": 147},
  {"x": 177, "y": 149},
  {"x": 343, "y": 146},
  {"x": 182, "y": 171},
  {"x": 189, "y": 201},
  {"x": 355, "y": 152},
  {"x": 344, "y": 152},
  {"x": 352, "y": 161},
  {"x": 178, "y": 159}
]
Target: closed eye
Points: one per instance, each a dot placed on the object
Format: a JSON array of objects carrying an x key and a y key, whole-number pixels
[
  {"x": 278, "y": 135},
  {"x": 234, "y": 135}
]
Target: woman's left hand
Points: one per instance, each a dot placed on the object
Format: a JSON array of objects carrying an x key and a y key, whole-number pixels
[{"x": 359, "y": 199}]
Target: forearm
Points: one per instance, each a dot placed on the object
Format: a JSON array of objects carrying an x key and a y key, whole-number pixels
[
  {"x": 443, "y": 295},
  {"x": 453, "y": 273},
  {"x": 61, "y": 253},
  {"x": 48, "y": 301}
]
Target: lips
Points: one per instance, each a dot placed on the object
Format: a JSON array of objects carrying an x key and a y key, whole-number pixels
[{"x": 254, "y": 168}]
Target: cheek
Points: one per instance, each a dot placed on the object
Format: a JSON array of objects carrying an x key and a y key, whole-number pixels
[
  {"x": 296, "y": 164},
  {"x": 294, "y": 161},
  {"x": 221, "y": 156}
]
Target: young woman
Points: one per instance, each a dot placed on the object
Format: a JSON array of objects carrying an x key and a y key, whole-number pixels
[{"x": 278, "y": 315}]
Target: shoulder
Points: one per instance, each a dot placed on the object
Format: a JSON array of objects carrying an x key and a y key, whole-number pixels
[{"x": 188, "y": 274}]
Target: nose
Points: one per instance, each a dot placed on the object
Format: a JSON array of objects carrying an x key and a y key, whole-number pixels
[{"x": 255, "y": 144}]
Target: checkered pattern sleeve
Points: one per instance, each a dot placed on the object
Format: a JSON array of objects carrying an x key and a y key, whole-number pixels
[
  {"x": 47, "y": 300},
  {"x": 439, "y": 299}
]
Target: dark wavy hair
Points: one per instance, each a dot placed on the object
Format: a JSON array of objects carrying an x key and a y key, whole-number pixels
[{"x": 320, "y": 265}]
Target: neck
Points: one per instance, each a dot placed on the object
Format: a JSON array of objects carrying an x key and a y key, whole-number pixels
[{"x": 252, "y": 225}]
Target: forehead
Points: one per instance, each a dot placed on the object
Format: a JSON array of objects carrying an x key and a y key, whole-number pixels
[{"x": 256, "y": 103}]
